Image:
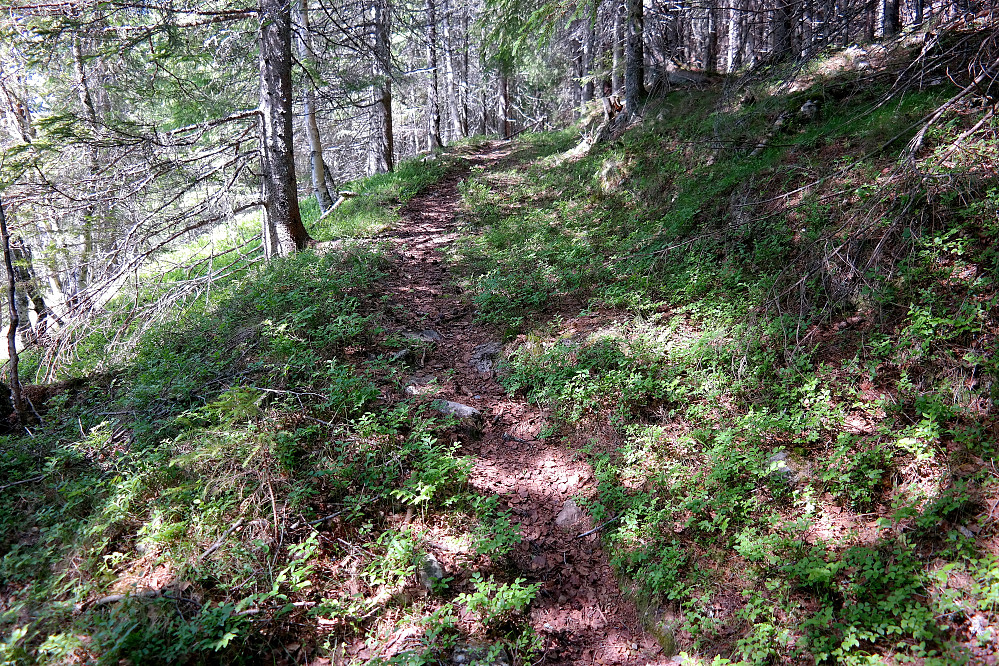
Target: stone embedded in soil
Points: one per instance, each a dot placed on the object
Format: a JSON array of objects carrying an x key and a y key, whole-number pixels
[
  {"x": 569, "y": 515},
  {"x": 783, "y": 469},
  {"x": 419, "y": 384},
  {"x": 483, "y": 356},
  {"x": 479, "y": 654},
  {"x": 427, "y": 335},
  {"x": 430, "y": 572},
  {"x": 659, "y": 625},
  {"x": 470, "y": 418}
]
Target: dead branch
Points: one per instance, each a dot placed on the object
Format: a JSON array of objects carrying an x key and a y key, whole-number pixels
[
  {"x": 17, "y": 483},
  {"x": 218, "y": 544},
  {"x": 597, "y": 528}
]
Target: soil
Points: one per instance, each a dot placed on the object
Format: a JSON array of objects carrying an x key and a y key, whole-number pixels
[{"x": 580, "y": 612}]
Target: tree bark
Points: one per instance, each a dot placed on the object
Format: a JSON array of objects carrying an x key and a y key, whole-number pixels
[
  {"x": 381, "y": 152},
  {"x": 589, "y": 44},
  {"x": 282, "y": 217},
  {"x": 634, "y": 74},
  {"x": 27, "y": 288},
  {"x": 465, "y": 81},
  {"x": 577, "y": 73},
  {"x": 91, "y": 213},
  {"x": 15, "y": 381},
  {"x": 503, "y": 86},
  {"x": 734, "y": 58},
  {"x": 892, "y": 18},
  {"x": 783, "y": 29},
  {"x": 318, "y": 165},
  {"x": 617, "y": 57},
  {"x": 459, "y": 118},
  {"x": 711, "y": 39},
  {"x": 433, "y": 90},
  {"x": 870, "y": 20}
]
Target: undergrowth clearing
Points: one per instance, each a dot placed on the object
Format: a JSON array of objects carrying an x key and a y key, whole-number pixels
[{"x": 778, "y": 360}]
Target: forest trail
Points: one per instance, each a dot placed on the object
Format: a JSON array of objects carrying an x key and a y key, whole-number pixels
[{"x": 580, "y": 611}]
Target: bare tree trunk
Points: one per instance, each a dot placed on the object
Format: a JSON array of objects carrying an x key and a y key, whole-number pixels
[
  {"x": 892, "y": 18},
  {"x": 91, "y": 214},
  {"x": 15, "y": 381},
  {"x": 483, "y": 101},
  {"x": 381, "y": 153},
  {"x": 433, "y": 90},
  {"x": 282, "y": 215},
  {"x": 734, "y": 37},
  {"x": 459, "y": 119},
  {"x": 917, "y": 10},
  {"x": 503, "y": 88},
  {"x": 465, "y": 81},
  {"x": 577, "y": 67},
  {"x": 306, "y": 52},
  {"x": 783, "y": 28},
  {"x": 27, "y": 288},
  {"x": 589, "y": 44},
  {"x": 870, "y": 20},
  {"x": 711, "y": 39},
  {"x": 617, "y": 61},
  {"x": 634, "y": 73},
  {"x": 484, "y": 107}
]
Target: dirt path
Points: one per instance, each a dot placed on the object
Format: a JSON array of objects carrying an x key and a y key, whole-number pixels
[{"x": 580, "y": 611}]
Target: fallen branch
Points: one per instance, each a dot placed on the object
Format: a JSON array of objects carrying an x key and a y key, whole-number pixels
[
  {"x": 344, "y": 195},
  {"x": 17, "y": 483},
  {"x": 295, "y": 604},
  {"x": 525, "y": 128},
  {"x": 597, "y": 528},
  {"x": 115, "y": 598},
  {"x": 218, "y": 544},
  {"x": 325, "y": 518}
]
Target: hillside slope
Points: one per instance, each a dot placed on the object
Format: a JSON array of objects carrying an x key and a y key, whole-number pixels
[{"x": 733, "y": 374}]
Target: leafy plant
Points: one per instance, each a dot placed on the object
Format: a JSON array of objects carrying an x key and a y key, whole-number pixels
[{"x": 497, "y": 603}]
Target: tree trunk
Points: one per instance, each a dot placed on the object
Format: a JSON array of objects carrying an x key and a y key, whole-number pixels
[
  {"x": 917, "y": 10},
  {"x": 459, "y": 120},
  {"x": 892, "y": 18},
  {"x": 27, "y": 288},
  {"x": 465, "y": 81},
  {"x": 15, "y": 381},
  {"x": 483, "y": 94},
  {"x": 91, "y": 213},
  {"x": 503, "y": 86},
  {"x": 577, "y": 73},
  {"x": 381, "y": 150},
  {"x": 589, "y": 44},
  {"x": 617, "y": 60},
  {"x": 711, "y": 39},
  {"x": 870, "y": 20},
  {"x": 282, "y": 218},
  {"x": 433, "y": 91},
  {"x": 783, "y": 29},
  {"x": 320, "y": 185},
  {"x": 734, "y": 37},
  {"x": 634, "y": 74}
]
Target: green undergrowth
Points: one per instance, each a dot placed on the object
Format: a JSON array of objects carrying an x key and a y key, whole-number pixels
[
  {"x": 787, "y": 392},
  {"x": 248, "y": 470}
]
